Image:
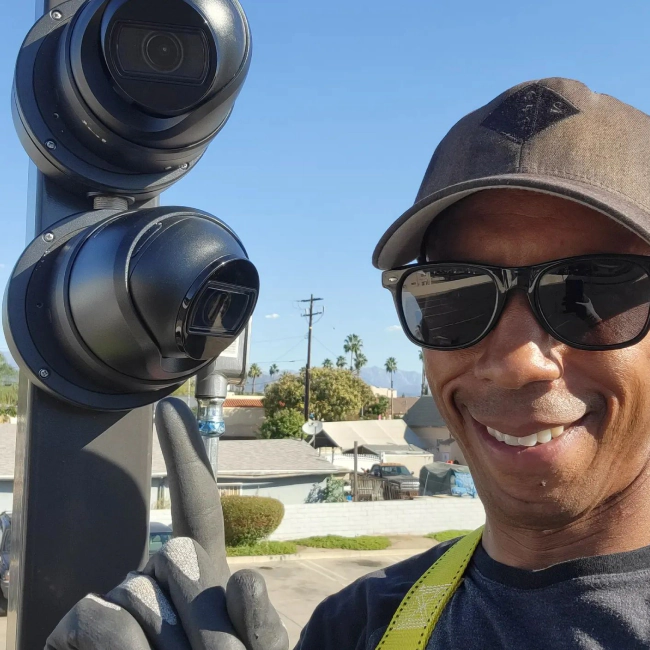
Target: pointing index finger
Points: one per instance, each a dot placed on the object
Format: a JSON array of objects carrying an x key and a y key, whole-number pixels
[{"x": 196, "y": 506}]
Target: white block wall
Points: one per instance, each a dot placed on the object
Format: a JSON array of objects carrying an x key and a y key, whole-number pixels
[{"x": 417, "y": 517}]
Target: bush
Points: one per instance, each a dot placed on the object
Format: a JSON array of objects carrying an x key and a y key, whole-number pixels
[
  {"x": 286, "y": 423},
  {"x": 248, "y": 520},
  {"x": 263, "y": 548},
  {"x": 446, "y": 535},
  {"x": 332, "y": 492},
  {"x": 361, "y": 543}
]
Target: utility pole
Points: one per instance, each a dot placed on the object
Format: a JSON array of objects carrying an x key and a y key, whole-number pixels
[{"x": 310, "y": 315}]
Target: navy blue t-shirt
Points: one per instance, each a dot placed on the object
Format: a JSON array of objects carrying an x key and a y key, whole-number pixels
[{"x": 592, "y": 603}]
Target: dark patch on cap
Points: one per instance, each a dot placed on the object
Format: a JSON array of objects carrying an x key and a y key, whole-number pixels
[{"x": 527, "y": 112}]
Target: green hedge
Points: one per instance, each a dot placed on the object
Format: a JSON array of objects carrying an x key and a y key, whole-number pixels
[
  {"x": 247, "y": 520},
  {"x": 361, "y": 543}
]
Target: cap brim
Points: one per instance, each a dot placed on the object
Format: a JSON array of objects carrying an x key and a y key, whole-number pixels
[{"x": 402, "y": 242}]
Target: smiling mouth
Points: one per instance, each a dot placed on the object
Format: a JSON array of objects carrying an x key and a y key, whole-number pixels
[{"x": 534, "y": 439}]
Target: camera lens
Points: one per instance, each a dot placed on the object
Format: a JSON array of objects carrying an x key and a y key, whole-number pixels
[{"x": 163, "y": 51}]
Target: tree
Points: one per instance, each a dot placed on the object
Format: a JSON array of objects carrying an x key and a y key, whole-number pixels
[
  {"x": 254, "y": 372},
  {"x": 336, "y": 394},
  {"x": 359, "y": 362},
  {"x": 352, "y": 345},
  {"x": 8, "y": 374},
  {"x": 273, "y": 370},
  {"x": 285, "y": 423},
  {"x": 391, "y": 368},
  {"x": 340, "y": 362},
  {"x": 425, "y": 386},
  {"x": 332, "y": 492},
  {"x": 378, "y": 408},
  {"x": 328, "y": 363}
]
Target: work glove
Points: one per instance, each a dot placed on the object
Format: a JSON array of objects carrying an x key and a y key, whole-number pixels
[{"x": 185, "y": 599}]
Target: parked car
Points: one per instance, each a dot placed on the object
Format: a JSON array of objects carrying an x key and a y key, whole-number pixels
[
  {"x": 399, "y": 480},
  {"x": 159, "y": 534}
]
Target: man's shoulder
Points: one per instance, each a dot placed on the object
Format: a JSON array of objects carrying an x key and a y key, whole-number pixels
[{"x": 350, "y": 619}]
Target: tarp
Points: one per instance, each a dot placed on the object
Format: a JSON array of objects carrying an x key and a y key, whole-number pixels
[{"x": 443, "y": 478}]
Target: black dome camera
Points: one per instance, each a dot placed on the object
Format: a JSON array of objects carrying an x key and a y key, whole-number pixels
[
  {"x": 124, "y": 96},
  {"x": 114, "y": 308}
]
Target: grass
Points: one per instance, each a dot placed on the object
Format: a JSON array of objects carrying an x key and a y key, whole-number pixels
[
  {"x": 445, "y": 535},
  {"x": 263, "y": 548},
  {"x": 362, "y": 543}
]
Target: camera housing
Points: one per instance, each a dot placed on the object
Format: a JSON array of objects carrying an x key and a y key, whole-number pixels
[
  {"x": 119, "y": 312},
  {"x": 124, "y": 96}
]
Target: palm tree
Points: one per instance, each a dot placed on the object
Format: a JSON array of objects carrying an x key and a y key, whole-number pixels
[
  {"x": 359, "y": 362},
  {"x": 273, "y": 370},
  {"x": 254, "y": 372},
  {"x": 425, "y": 387},
  {"x": 340, "y": 362},
  {"x": 328, "y": 363},
  {"x": 353, "y": 345},
  {"x": 391, "y": 368}
]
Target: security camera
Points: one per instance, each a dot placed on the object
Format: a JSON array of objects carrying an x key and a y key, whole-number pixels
[
  {"x": 124, "y": 96},
  {"x": 120, "y": 313}
]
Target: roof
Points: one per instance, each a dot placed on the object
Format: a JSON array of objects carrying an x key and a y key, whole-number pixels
[
  {"x": 402, "y": 404},
  {"x": 395, "y": 449},
  {"x": 368, "y": 433},
  {"x": 261, "y": 458},
  {"x": 424, "y": 413},
  {"x": 249, "y": 403},
  {"x": 237, "y": 458}
]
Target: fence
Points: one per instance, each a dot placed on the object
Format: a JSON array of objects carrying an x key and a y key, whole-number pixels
[{"x": 418, "y": 517}]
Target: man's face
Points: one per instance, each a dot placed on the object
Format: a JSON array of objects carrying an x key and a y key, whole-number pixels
[{"x": 519, "y": 380}]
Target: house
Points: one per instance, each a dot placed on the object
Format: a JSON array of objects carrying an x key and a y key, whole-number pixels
[
  {"x": 283, "y": 469},
  {"x": 386, "y": 441},
  {"x": 424, "y": 419},
  {"x": 402, "y": 405},
  {"x": 243, "y": 416}
]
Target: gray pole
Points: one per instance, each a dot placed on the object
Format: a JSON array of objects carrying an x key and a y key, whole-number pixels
[{"x": 82, "y": 484}]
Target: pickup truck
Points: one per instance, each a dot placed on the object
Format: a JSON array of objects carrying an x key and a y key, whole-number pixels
[{"x": 407, "y": 485}]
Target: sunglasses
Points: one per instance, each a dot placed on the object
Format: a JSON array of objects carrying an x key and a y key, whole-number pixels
[{"x": 591, "y": 302}]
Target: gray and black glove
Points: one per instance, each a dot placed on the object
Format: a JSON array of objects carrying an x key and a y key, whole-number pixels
[{"x": 185, "y": 599}]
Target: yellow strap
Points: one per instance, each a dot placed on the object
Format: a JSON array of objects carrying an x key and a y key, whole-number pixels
[{"x": 417, "y": 615}]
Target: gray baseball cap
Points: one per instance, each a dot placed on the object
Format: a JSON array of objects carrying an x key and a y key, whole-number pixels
[{"x": 552, "y": 135}]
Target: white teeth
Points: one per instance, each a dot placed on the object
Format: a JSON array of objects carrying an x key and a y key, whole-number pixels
[
  {"x": 539, "y": 438},
  {"x": 528, "y": 441}
]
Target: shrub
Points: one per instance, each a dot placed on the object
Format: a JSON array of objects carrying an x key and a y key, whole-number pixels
[
  {"x": 361, "y": 543},
  {"x": 286, "y": 423},
  {"x": 332, "y": 492},
  {"x": 445, "y": 535},
  {"x": 263, "y": 548},
  {"x": 247, "y": 520}
]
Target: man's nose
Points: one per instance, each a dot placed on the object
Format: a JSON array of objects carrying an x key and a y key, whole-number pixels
[{"x": 518, "y": 351}]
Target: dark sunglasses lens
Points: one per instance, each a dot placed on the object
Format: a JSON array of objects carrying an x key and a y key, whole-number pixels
[
  {"x": 448, "y": 307},
  {"x": 596, "y": 302}
]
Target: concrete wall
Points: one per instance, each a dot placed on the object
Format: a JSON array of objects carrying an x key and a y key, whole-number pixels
[
  {"x": 418, "y": 517},
  {"x": 242, "y": 422},
  {"x": 6, "y": 496}
]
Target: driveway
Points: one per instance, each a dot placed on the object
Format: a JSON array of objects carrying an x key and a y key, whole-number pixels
[{"x": 296, "y": 587}]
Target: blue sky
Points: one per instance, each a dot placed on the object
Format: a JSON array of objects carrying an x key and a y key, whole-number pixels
[{"x": 343, "y": 107}]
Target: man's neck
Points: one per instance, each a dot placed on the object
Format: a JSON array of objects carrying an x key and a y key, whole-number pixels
[{"x": 622, "y": 524}]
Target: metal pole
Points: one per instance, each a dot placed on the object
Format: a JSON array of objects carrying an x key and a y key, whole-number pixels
[
  {"x": 355, "y": 492},
  {"x": 82, "y": 484},
  {"x": 308, "y": 367}
]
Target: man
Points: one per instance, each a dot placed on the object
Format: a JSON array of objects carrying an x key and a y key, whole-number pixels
[{"x": 531, "y": 299}]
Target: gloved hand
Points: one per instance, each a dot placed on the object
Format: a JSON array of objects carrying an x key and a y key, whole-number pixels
[{"x": 185, "y": 598}]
